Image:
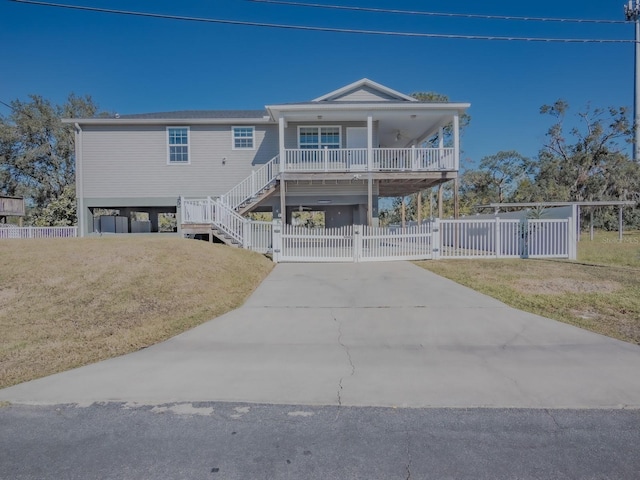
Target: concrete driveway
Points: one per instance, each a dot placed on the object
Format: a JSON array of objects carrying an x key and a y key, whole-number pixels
[{"x": 377, "y": 334}]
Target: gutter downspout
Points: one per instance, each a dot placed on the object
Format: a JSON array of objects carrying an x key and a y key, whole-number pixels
[{"x": 80, "y": 213}]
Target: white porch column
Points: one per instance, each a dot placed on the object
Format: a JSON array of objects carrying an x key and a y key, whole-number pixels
[
  {"x": 80, "y": 209},
  {"x": 281, "y": 126},
  {"x": 370, "y": 142},
  {"x": 283, "y": 201},
  {"x": 441, "y": 147},
  {"x": 370, "y": 169},
  {"x": 456, "y": 141}
]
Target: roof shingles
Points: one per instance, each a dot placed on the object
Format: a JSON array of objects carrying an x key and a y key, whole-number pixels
[{"x": 191, "y": 114}]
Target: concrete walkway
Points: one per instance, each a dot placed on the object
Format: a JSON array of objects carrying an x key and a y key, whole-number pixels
[{"x": 368, "y": 334}]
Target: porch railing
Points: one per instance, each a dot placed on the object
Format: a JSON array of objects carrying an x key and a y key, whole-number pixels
[
  {"x": 414, "y": 159},
  {"x": 197, "y": 210},
  {"x": 357, "y": 159},
  {"x": 325, "y": 160}
]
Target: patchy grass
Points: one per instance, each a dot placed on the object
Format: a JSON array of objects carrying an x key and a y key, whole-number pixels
[
  {"x": 70, "y": 302},
  {"x": 600, "y": 292},
  {"x": 607, "y": 249}
]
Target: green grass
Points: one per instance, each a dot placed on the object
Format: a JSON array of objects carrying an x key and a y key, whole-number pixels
[
  {"x": 70, "y": 302},
  {"x": 607, "y": 249},
  {"x": 599, "y": 292}
]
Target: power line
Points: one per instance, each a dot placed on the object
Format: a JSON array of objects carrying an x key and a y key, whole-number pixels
[
  {"x": 11, "y": 107},
  {"x": 14, "y": 109},
  {"x": 436, "y": 14},
  {"x": 321, "y": 29}
]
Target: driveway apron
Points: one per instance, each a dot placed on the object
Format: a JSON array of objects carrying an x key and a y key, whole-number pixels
[{"x": 365, "y": 334}]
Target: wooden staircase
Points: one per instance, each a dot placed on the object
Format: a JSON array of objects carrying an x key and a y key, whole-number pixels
[
  {"x": 225, "y": 238},
  {"x": 224, "y": 217},
  {"x": 258, "y": 198}
]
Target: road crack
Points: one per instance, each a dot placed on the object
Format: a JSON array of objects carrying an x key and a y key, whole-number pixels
[
  {"x": 555, "y": 421},
  {"x": 409, "y": 459}
]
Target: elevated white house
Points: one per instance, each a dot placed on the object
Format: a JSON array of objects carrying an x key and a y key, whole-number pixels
[{"x": 337, "y": 153}]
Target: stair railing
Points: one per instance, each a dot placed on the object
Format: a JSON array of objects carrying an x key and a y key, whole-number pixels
[
  {"x": 230, "y": 222},
  {"x": 250, "y": 186}
]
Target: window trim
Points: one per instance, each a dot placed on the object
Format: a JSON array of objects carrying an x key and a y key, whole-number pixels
[
  {"x": 318, "y": 127},
  {"x": 233, "y": 137},
  {"x": 169, "y": 145}
]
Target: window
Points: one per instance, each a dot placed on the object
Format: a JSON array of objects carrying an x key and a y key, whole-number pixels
[
  {"x": 178, "y": 144},
  {"x": 319, "y": 137},
  {"x": 243, "y": 137}
]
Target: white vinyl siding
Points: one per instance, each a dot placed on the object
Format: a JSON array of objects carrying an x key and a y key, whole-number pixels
[
  {"x": 131, "y": 161},
  {"x": 319, "y": 137},
  {"x": 364, "y": 94},
  {"x": 243, "y": 138},
  {"x": 178, "y": 145}
]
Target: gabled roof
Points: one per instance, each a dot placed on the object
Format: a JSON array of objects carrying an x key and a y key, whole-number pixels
[
  {"x": 346, "y": 103},
  {"x": 367, "y": 89}
]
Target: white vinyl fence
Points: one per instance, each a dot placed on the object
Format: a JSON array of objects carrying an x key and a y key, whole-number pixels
[
  {"x": 461, "y": 238},
  {"x": 496, "y": 238},
  {"x": 7, "y": 232},
  {"x": 410, "y": 243},
  {"x": 261, "y": 237},
  {"x": 299, "y": 244}
]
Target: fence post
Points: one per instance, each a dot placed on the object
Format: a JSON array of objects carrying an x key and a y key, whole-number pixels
[
  {"x": 524, "y": 233},
  {"x": 276, "y": 240},
  {"x": 498, "y": 240},
  {"x": 435, "y": 239},
  {"x": 357, "y": 242},
  {"x": 246, "y": 234},
  {"x": 572, "y": 239}
]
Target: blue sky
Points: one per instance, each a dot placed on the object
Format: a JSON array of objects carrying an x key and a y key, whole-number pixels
[{"x": 133, "y": 65}]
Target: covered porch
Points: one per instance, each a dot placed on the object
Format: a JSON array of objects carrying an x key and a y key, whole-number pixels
[{"x": 395, "y": 148}]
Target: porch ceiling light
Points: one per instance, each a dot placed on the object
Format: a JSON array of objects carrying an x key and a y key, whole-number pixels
[{"x": 323, "y": 202}]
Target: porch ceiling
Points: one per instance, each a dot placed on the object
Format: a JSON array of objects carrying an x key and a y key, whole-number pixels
[
  {"x": 389, "y": 184},
  {"x": 398, "y": 188}
]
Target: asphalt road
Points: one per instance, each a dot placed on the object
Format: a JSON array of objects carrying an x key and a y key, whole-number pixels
[{"x": 212, "y": 441}]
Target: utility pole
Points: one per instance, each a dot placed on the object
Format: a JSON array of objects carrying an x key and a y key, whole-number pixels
[{"x": 632, "y": 13}]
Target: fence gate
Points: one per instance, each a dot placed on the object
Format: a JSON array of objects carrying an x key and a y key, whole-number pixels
[
  {"x": 300, "y": 244},
  {"x": 409, "y": 243},
  {"x": 355, "y": 243}
]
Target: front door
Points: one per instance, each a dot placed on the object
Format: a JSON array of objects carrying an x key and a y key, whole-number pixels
[{"x": 357, "y": 139}]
